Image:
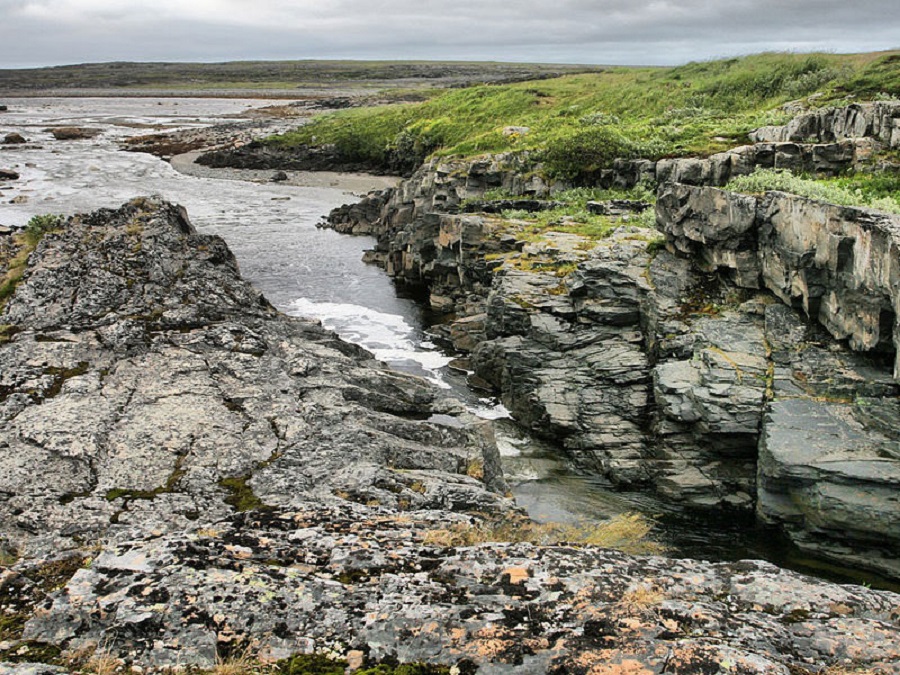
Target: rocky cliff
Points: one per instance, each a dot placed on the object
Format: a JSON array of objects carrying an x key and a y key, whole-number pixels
[
  {"x": 702, "y": 370},
  {"x": 189, "y": 476}
]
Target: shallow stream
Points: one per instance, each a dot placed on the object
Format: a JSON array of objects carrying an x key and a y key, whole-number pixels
[{"x": 307, "y": 271}]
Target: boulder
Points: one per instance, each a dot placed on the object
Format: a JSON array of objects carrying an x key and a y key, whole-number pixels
[
  {"x": 14, "y": 139},
  {"x": 74, "y": 133}
]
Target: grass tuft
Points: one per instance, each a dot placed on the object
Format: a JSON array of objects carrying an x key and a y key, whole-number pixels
[{"x": 628, "y": 532}]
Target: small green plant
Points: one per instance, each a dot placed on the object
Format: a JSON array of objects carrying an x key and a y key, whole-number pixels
[
  {"x": 38, "y": 226},
  {"x": 241, "y": 495}
]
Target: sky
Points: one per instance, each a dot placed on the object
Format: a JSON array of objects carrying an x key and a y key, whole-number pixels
[{"x": 633, "y": 32}]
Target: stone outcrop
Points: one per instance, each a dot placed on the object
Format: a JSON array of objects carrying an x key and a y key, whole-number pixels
[
  {"x": 879, "y": 120},
  {"x": 221, "y": 137},
  {"x": 74, "y": 133},
  {"x": 671, "y": 371},
  {"x": 841, "y": 265},
  {"x": 828, "y": 466},
  {"x": 187, "y": 474}
]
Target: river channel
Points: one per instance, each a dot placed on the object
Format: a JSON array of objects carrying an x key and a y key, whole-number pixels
[{"x": 308, "y": 271}]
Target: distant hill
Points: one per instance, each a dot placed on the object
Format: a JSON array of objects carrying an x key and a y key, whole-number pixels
[{"x": 283, "y": 77}]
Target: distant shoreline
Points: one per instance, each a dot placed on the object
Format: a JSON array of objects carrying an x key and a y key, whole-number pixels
[{"x": 262, "y": 94}]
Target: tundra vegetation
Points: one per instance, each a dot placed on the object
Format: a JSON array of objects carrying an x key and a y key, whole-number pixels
[{"x": 577, "y": 124}]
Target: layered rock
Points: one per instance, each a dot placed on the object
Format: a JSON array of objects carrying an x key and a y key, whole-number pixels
[
  {"x": 188, "y": 474},
  {"x": 828, "y": 470},
  {"x": 650, "y": 369},
  {"x": 839, "y": 264},
  {"x": 879, "y": 120}
]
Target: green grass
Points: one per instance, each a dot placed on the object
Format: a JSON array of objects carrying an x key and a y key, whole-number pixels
[
  {"x": 578, "y": 123},
  {"x": 34, "y": 231},
  {"x": 564, "y": 219},
  {"x": 879, "y": 191}
]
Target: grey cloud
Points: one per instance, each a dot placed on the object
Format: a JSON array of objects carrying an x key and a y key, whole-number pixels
[{"x": 575, "y": 31}]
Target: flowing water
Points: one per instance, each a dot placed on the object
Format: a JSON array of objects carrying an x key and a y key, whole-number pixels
[{"x": 307, "y": 271}]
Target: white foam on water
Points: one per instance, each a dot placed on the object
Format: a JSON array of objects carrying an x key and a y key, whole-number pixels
[
  {"x": 489, "y": 409},
  {"x": 388, "y": 336}
]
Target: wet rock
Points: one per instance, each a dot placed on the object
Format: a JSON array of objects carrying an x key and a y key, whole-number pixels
[
  {"x": 279, "y": 177},
  {"x": 257, "y": 155},
  {"x": 8, "y": 174},
  {"x": 14, "y": 139},
  {"x": 360, "y": 217},
  {"x": 74, "y": 133}
]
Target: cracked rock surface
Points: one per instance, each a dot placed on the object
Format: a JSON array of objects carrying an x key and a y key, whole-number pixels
[{"x": 185, "y": 472}]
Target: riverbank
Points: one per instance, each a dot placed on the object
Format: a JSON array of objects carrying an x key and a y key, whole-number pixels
[
  {"x": 691, "y": 365},
  {"x": 356, "y": 183}
]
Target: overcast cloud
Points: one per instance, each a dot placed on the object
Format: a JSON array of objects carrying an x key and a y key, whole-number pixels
[{"x": 50, "y": 32}]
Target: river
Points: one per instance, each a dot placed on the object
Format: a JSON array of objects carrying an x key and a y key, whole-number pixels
[{"x": 308, "y": 271}]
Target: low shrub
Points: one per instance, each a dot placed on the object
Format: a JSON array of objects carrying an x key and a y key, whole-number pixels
[
  {"x": 843, "y": 191},
  {"x": 40, "y": 225}
]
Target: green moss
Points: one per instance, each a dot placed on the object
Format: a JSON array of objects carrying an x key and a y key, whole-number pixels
[
  {"x": 310, "y": 664},
  {"x": 405, "y": 669},
  {"x": 241, "y": 495},
  {"x": 7, "y": 331},
  {"x": 61, "y": 375},
  {"x": 15, "y": 610},
  {"x": 33, "y": 652},
  {"x": 317, "y": 664},
  {"x": 350, "y": 577},
  {"x": 170, "y": 486}
]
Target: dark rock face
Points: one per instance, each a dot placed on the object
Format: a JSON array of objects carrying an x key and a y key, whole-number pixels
[
  {"x": 185, "y": 472},
  {"x": 8, "y": 174},
  {"x": 674, "y": 371},
  {"x": 14, "y": 139},
  {"x": 256, "y": 155},
  {"x": 839, "y": 264},
  {"x": 828, "y": 467},
  {"x": 359, "y": 217}
]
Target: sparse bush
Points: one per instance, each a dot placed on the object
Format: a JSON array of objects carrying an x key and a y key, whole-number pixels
[
  {"x": 38, "y": 226},
  {"x": 581, "y": 155}
]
